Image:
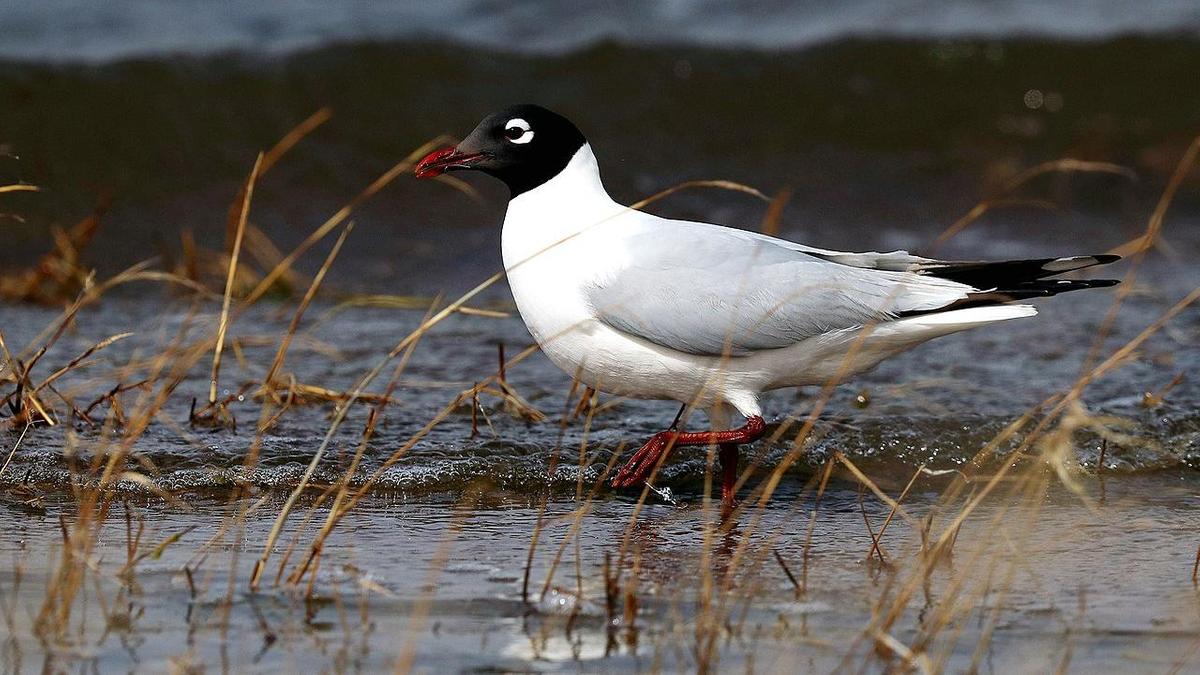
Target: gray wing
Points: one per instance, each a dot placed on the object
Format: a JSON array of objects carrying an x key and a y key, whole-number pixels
[{"x": 706, "y": 289}]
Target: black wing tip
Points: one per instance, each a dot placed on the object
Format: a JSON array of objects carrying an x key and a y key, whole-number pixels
[
  {"x": 1076, "y": 262},
  {"x": 1030, "y": 290},
  {"x": 1040, "y": 289},
  {"x": 1010, "y": 273},
  {"x": 1056, "y": 286},
  {"x": 1097, "y": 259}
]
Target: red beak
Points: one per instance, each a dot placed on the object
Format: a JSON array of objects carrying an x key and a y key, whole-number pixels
[{"x": 439, "y": 162}]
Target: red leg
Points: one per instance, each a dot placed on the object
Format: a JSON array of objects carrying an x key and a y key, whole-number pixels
[
  {"x": 729, "y": 474},
  {"x": 643, "y": 462}
]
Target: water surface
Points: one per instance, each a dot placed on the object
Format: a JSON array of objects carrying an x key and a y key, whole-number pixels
[{"x": 882, "y": 143}]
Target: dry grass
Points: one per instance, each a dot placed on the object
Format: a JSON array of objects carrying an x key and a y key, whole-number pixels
[
  {"x": 736, "y": 551},
  {"x": 60, "y": 273}
]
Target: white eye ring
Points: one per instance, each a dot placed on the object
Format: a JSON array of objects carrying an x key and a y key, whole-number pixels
[{"x": 518, "y": 124}]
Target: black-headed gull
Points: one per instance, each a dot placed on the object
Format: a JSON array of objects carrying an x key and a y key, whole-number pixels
[{"x": 709, "y": 316}]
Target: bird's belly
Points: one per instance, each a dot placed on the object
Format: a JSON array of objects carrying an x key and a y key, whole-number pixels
[{"x": 606, "y": 359}]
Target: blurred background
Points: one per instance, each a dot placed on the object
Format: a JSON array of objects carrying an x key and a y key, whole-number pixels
[
  {"x": 870, "y": 125},
  {"x": 877, "y": 123}
]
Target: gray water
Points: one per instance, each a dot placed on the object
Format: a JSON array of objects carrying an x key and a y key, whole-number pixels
[
  {"x": 77, "y": 29},
  {"x": 428, "y": 569},
  {"x": 883, "y": 143},
  {"x": 937, "y": 405},
  {"x": 1102, "y": 590}
]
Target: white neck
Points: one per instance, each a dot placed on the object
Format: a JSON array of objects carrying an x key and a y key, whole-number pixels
[{"x": 563, "y": 206}]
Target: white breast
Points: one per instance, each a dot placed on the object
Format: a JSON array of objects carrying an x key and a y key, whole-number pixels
[
  {"x": 560, "y": 238},
  {"x": 553, "y": 247}
]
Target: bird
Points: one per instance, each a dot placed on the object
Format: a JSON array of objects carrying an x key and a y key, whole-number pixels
[{"x": 710, "y": 316}]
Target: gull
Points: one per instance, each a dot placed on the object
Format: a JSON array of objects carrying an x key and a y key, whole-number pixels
[{"x": 710, "y": 316}]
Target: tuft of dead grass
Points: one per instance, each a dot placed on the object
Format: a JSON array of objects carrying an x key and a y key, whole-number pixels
[{"x": 947, "y": 573}]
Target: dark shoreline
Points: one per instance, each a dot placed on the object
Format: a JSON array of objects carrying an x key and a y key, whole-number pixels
[{"x": 905, "y": 132}]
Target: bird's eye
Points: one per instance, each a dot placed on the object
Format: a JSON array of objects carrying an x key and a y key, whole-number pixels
[{"x": 517, "y": 131}]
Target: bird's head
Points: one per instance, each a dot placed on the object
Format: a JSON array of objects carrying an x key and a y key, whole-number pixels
[{"x": 522, "y": 145}]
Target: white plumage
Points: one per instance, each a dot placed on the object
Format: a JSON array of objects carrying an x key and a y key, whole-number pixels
[{"x": 648, "y": 307}]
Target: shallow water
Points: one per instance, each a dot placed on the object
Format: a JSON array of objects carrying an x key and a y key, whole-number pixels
[
  {"x": 1103, "y": 589},
  {"x": 938, "y": 405},
  {"x": 884, "y": 142},
  {"x": 427, "y": 570}
]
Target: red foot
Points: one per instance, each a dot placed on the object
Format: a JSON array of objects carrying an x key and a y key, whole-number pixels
[
  {"x": 639, "y": 467},
  {"x": 643, "y": 461}
]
